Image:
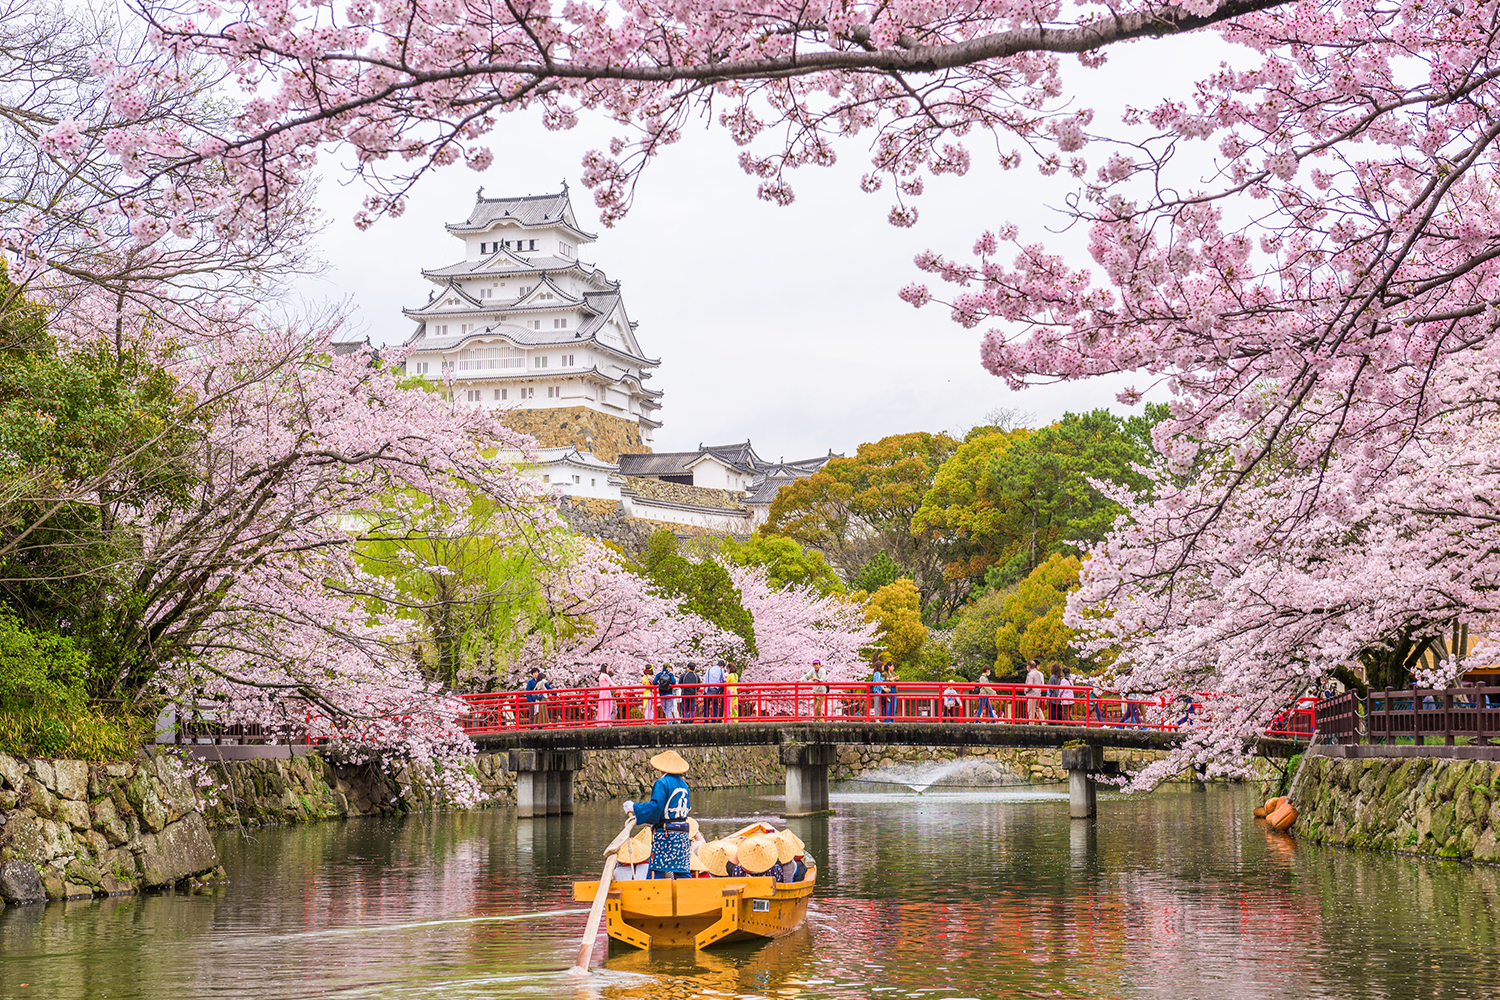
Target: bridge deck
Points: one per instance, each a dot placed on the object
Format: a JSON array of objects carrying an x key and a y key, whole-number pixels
[{"x": 770, "y": 732}]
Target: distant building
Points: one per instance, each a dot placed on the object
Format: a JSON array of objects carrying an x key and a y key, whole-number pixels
[{"x": 522, "y": 325}]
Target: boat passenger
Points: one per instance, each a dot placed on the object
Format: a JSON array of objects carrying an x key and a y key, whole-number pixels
[
  {"x": 631, "y": 860},
  {"x": 714, "y": 857},
  {"x": 757, "y": 857},
  {"x": 786, "y": 854},
  {"x": 794, "y": 869},
  {"x": 667, "y": 814}
]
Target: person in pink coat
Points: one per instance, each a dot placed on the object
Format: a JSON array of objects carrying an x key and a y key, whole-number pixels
[{"x": 606, "y": 697}]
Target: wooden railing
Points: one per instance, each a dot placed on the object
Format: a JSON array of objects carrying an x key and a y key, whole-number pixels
[
  {"x": 1418, "y": 714},
  {"x": 570, "y": 708}
]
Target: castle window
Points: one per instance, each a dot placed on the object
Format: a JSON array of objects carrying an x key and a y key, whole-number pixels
[
  {"x": 525, "y": 393},
  {"x": 474, "y": 395},
  {"x": 554, "y": 392},
  {"x": 536, "y": 324},
  {"x": 593, "y": 482},
  {"x": 532, "y": 245},
  {"x": 482, "y": 358},
  {"x": 499, "y": 393},
  {"x": 560, "y": 324},
  {"x": 577, "y": 479},
  {"x": 416, "y": 368},
  {"x": 546, "y": 478},
  {"x": 441, "y": 330},
  {"x": 567, "y": 360},
  {"x": 566, "y": 249}
]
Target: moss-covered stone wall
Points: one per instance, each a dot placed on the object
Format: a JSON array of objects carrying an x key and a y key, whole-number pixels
[{"x": 1414, "y": 805}]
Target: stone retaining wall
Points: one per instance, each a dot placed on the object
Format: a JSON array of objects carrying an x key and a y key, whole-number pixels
[
  {"x": 1414, "y": 805},
  {"x": 68, "y": 829}
]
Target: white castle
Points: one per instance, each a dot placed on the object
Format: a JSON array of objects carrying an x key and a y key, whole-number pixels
[{"x": 521, "y": 324}]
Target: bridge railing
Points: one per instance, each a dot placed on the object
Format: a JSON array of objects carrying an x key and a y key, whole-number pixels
[
  {"x": 843, "y": 702},
  {"x": 1417, "y": 714}
]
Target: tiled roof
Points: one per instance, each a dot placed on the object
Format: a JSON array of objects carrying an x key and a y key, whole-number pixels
[
  {"x": 506, "y": 263},
  {"x": 529, "y": 211},
  {"x": 688, "y": 496},
  {"x": 767, "y": 490},
  {"x": 662, "y": 463}
]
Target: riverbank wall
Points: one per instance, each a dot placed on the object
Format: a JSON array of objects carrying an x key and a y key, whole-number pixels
[
  {"x": 70, "y": 829},
  {"x": 1438, "y": 801}
]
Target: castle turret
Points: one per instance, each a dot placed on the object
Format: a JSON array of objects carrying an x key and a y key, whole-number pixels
[{"x": 520, "y": 323}]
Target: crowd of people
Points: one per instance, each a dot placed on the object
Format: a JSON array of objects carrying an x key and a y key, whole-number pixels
[{"x": 696, "y": 692}]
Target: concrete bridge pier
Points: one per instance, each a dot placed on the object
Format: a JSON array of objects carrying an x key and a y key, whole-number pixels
[
  {"x": 544, "y": 781},
  {"x": 807, "y": 777},
  {"x": 1082, "y": 763}
]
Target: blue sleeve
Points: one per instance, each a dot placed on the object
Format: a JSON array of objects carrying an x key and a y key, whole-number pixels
[{"x": 651, "y": 812}]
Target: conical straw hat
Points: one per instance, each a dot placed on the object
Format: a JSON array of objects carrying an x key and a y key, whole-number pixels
[
  {"x": 633, "y": 852},
  {"x": 785, "y": 849},
  {"x": 757, "y": 854},
  {"x": 714, "y": 857},
  {"x": 695, "y": 864},
  {"x": 692, "y": 828},
  {"x": 796, "y": 842},
  {"x": 670, "y": 762},
  {"x": 644, "y": 835}
]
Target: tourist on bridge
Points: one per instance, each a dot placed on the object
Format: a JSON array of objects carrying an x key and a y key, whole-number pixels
[
  {"x": 606, "y": 697},
  {"x": 667, "y": 814},
  {"x": 648, "y": 703},
  {"x": 1054, "y": 693},
  {"x": 1034, "y": 682},
  {"x": 690, "y": 682},
  {"x": 714, "y": 680},
  {"x": 536, "y": 693},
  {"x": 819, "y": 678},
  {"x": 732, "y": 692},
  {"x": 666, "y": 691},
  {"x": 985, "y": 691},
  {"x": 1067, "y": 693}
]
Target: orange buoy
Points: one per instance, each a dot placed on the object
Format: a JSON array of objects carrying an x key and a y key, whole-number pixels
[
  {"x": 1260, "y": 812},
  {"x": 1271, "y": 806},
  {"x": 1284, "y": 816}
]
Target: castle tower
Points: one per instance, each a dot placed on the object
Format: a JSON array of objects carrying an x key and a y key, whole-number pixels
[{"x": 520, "y": 323}]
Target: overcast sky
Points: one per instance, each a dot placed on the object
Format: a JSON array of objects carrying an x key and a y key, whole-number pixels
[{"x": 782, "y": 325}]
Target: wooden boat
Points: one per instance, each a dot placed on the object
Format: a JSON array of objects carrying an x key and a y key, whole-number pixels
[{"x": 699, "y": 912}]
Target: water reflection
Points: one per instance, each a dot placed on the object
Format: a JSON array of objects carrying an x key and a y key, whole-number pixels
[{"x": 983, "y": 893}]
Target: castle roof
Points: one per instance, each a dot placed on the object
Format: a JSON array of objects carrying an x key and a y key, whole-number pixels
[
  {"x": 533, "y": 211},
  {"x": 740, "y": 456}
]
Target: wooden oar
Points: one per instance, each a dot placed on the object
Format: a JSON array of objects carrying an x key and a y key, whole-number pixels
[{"x": 611, "y": 858}]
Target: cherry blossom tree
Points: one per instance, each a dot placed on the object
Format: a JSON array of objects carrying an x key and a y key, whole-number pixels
[
  {"x": 795, "y": 624},
  {"x": 608, "y": 618}
]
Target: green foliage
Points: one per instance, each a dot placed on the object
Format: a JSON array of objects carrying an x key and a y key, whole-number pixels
[
  {"x": 44, "y": 708},
  {"x": 972, "y": 643},
  {"x": 1032, "y": 627},
  {"x": 878, "y": 571},
  {"x": 40, "y": 670},
  {"x": 896, "y": 608},
  {"x": 933, "y": 663},
  {"x": 862, "y": 504},
  {"x": 471, "y": 577},
  {"x": 702, "y": 588},
  {"x": 90, "y": 440},
  {"x": 787, "y": 563},
  {"x": 1013, "y": 498},
  {"x": 89, "y": 735}
]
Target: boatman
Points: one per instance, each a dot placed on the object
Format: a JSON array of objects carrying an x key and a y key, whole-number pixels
[{"x": 667, "y": 815}]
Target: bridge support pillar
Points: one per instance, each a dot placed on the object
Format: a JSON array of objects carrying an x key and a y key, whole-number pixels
[
  {"x": 544, "y": 781},
  {"x": 807, "y": 778},
  {"x": 1082, "y": 763}
]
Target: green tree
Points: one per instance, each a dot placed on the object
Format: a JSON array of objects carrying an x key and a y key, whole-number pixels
[
  {"x": 786, "y": 562},
  {"x": 897, "y": 609},
  {"x": 471, "y": 582},
  {"x": 878, "y": 571},
  {"x": 702, "y": 587},
  {"x": 857, "y": 506},
  {"x": 1032, "y": 627},
  {"x": 1013, "y": 499},
  {"x": 972, "y": 641}
]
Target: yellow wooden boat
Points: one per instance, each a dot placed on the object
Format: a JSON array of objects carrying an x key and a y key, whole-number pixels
[{"x": 698, "y": 912}]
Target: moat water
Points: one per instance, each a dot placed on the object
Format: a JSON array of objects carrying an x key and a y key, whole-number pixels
[{"x": 953, "y": 894}]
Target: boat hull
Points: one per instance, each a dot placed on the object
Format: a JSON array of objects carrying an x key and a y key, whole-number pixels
[{"x": 701, "y": 912}]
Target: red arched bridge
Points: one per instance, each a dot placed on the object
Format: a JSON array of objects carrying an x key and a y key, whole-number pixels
[{"x": 547, "y": 730}]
